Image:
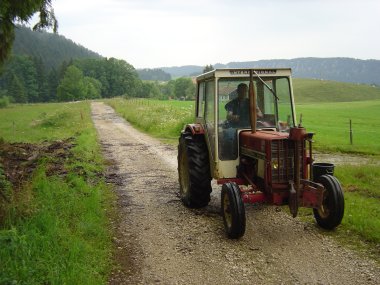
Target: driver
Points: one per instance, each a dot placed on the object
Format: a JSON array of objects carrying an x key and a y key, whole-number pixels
[{"x": 238, "y": 108}]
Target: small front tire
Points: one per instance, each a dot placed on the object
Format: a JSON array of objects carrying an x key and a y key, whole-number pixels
[
  {"x": 233, "y": 210},
  {"x": 331, "y": 212}
]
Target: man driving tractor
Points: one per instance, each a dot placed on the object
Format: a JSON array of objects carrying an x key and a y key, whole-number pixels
[{"x": 238, "y": 108}]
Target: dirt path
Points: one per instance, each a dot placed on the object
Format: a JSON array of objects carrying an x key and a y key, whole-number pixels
[{"x": 159, "y": 241}]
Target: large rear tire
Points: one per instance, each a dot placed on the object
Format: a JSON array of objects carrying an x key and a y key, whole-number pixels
[
  {"x": 331, "y": 212},
  {"x": 194, "y": 171},
  {"x": 233, "y": 211}
]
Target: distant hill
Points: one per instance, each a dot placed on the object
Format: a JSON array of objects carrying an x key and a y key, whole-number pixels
[
  {"x": 313, "y": 90},
  {"x": 53, "y": 49},
  {"x": 337, "y": 69}
]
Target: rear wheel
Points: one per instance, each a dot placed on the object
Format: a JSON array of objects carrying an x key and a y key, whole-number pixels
[
  {"x": 233, "y": 211},
  {"x": 330, "y": 214},
  {"x": 194, "y": 171}
]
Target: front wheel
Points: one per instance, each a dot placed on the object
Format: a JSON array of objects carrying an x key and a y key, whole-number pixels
[
  {"x": 233, "y": 211},
  {"x": 330, "y": 214}
]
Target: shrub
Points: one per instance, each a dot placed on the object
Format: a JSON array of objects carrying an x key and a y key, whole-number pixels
[{"x": 4, "y": 102}]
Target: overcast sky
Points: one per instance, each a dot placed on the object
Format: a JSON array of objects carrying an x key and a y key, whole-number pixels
[{"x": 156, "y": 33}]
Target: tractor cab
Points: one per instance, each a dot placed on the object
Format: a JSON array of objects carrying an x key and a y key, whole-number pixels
[
  {"x": 246, "y": 137},
  {"x": 219, "y": 94}
]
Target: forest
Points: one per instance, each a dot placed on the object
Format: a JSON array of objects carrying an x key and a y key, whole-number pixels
[
  {"x": 46, "y": 67},
  {"x": 24, "y": 79}
]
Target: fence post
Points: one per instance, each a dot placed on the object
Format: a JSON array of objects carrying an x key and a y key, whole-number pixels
[{"x": 351, "y": 141}]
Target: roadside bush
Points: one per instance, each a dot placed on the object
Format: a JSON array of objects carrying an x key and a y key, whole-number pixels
[{"x": 4, "y": 102}]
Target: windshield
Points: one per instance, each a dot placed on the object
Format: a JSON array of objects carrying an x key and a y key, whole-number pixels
[{"x": 233, "y": 114}]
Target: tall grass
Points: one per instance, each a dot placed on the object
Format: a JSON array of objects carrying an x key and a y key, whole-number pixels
[
  {"x": 362, "y": 196},
  {"x": 163, "y": 119},
  {"x": 38, "y": 122},
  {"x": 56, "y": 230}
]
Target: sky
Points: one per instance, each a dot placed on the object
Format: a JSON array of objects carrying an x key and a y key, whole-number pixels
[{"x": 164, "y": 33}]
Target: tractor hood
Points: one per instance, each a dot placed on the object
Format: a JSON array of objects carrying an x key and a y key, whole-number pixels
[{"x": 256, "y": 141}]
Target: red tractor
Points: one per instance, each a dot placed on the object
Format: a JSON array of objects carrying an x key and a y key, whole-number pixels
[{"x": 246, "y": 137}]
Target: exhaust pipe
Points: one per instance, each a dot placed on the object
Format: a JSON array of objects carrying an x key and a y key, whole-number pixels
[{"x": 252, "y": 103}]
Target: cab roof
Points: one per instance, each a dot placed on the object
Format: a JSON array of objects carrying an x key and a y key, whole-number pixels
[{"x": 245, "y": 72}]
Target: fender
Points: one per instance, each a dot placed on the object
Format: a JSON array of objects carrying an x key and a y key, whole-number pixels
[{"x": 195, "y": 129}]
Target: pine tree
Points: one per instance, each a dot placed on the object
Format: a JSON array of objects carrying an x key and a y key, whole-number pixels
[{"x": 16, "y": 90}]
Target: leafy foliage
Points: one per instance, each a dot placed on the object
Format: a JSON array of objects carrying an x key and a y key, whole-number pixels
[
  {"x": 25, "y": 80},
  {"x": 208, "y": 68},
  {"x": 4, "y": 101},
  {"x": 184, "y": 88},
  {"x": 51, "y": 49},
  {"x": 155, "y": 74},
  {"x": 72, "y": 86},
  {"x": 13, "y": 11}
]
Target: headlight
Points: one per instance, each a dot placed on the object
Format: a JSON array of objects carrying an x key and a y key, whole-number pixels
[{"x": 275, "y": 164}]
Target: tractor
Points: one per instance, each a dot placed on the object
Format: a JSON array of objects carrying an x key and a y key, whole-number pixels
[{"x": 245, "y": 136}]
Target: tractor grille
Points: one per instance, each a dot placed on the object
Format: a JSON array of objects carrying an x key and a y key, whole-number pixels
[{"x": 282, "y": 160}]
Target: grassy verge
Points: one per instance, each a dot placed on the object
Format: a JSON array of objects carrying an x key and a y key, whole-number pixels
[
  {"x": 39, "y": 122},
  {"x": 362, "y": 198},
  {"x": 56, "y": 228},
  {"x": 161, "y": 119}
]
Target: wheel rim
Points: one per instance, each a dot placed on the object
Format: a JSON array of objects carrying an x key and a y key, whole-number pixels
[
  {"x": 324, "y": 210},
  {"x": 227, "y": 210},
  {"x": 184, "y": 175}
]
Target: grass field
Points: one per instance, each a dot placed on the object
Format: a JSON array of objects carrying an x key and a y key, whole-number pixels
[
  {"x": 55, "y": 229},
  {"x": 329, "y": 121},
  {"x": 361, "y": 184},
  {"x": 38, "y": 122},
  {"x": 317, "y": 91}
]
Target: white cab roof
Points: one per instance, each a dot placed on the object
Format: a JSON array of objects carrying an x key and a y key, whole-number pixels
[{"x": 244, "y": 72}]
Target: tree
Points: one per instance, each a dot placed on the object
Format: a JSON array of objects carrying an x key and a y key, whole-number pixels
[
  {"x": 149, "y": 90},
  {"x": 16, "y": 90},
  {"x": 167, "y": 89},
  {"x": 72, "y": 86},
  {"x": 93, "y": 87},
  {"x": 24, "y": 68},
  {"x": 15, "y": 11},
  {"x": 43, "y": 89},
  {"x": 52, "y": 85},
  {"x": 155, "y": 74},
  {"x": 116, "y": 76},
  {"x": 208, "y": 68},
  {"x": 184, "y": 88}
]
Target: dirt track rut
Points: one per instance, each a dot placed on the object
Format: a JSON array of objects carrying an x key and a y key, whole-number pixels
[{"x": 159, "y": 241}]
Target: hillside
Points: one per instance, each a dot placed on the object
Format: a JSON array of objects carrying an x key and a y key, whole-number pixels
[
  {"x": 314, "y": 91},
  {"x": 53, "y": 49},
  {"x": 337, "y": 69}
]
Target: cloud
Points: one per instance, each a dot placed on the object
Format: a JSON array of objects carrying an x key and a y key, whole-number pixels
[{"x": 153, "y": 33}]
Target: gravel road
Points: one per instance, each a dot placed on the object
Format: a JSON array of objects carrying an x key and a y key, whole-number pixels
[{"x": 159, "y": 241}]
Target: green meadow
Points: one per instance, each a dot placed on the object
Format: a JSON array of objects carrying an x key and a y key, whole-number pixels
[
  {"x": 39, "y": 122},
  {"x": 54, "y": 229},
  {"x": 331, "y": 124}
]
